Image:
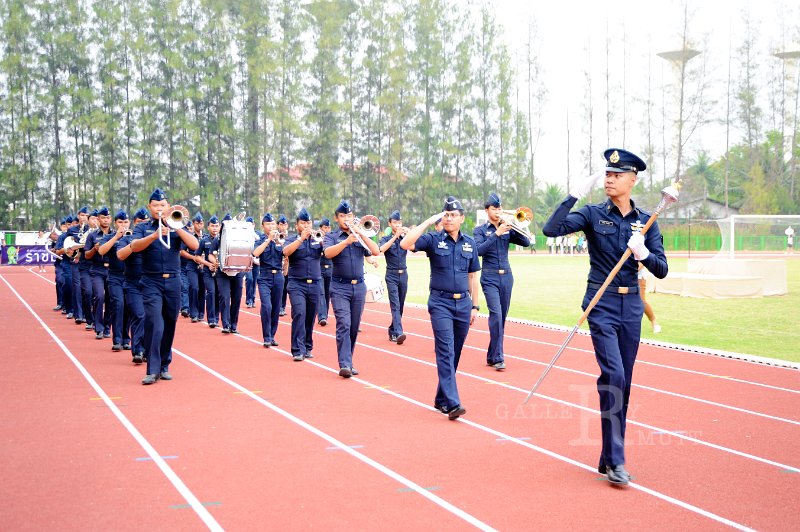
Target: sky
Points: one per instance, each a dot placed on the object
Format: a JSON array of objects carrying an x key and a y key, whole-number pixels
[{"x": 568, "y": 28}]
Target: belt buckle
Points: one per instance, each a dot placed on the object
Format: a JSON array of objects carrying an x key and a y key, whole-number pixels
[
  {"x": 354, "y": 281},
  {"x": 327, "y": 266},
  {"x": 622, "y": 290},
  {"x": 165, "y": 275},
  {"x": 309, "y": 281},
  {"x": 400, "y": 271},
  {"x": 274, "y": 271},
  {"x": 456, "y": 296},
  {"x": 501, "y": 272}
]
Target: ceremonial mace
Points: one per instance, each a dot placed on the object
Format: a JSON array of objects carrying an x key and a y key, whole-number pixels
[{"x": 668, "y": 196}]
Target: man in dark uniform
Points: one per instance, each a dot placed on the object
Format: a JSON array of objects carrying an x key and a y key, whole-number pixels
[
  {"x": 57, "y": 264},
  {"x": 120, "y": 323},
  {"x": 66, "y": 270},
  {"x": 326, "y": 268},
  {"x": 132, "y": 285},
  {"x": 229, "y": 288},
  {"x": 208, "y": 265},
  {"x": 283, "y": 228},
  {"x": 453, "y": 300},
  {"x": 348, "y": 291},
  {"x": 497, "y": 281},
  {"x": 98, "y": 274},
  {"x": 193, "y": 275},
  {"x": 270, "y": 279},
  {"x": 615, "y": 322},
  {"x": 396, "y": 275},
  {"x": 84, "y": 267},
  {"x": 251, "y": 276},
  {"x": 304, "y": 278},
  {"x": 80, "y": 226},
  {"x": 161, "y": 285}
]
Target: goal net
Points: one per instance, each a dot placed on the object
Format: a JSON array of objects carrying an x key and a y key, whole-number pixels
[{"x": 749, "y": 234}]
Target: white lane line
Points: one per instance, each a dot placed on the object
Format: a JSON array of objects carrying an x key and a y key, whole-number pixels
[
  {"x": 458, "y": 512},
  {"x": 647, "y": 426},
  {"x": 642, "y": 386},
  {"x": 174, "y": 479},
  {"x": 498, "y": 434}
]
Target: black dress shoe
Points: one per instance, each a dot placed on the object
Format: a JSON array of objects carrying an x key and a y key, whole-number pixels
[
  {"x": 150, "y": 379},
  {"x": 195, "y": 320},
  {"x": 499, "y": 366},
  {"x": 455, "y": 412},
  {"x": 98, "y": 336},
  {"x": 393, "y": 339},
  {"x": 89, "y": 327},
  {"x": 116, "y": 347},
  {"x": 617, "y": 475},
  {"x": 212, "y": 325},
  {"x": 274, "y": 343},
  {"x": 80, "y": 320},
  {"x": 282, "y": 312},
  {"x": 126, "y": 347},
  {"x": 106, "y": 335},
  {"x": 298, "y": 357},
  {"x": 70, "y": 316},
  {"x": 165, "y": 375},
  {"x": 345, "y": 372},
  {"x": 309, "y": 355},
  {"x": 63, "y": 311},
  {"x": 267, "y": 344},
  {"x": 323, "y": 322},
  {"x": 234, "y": 331},
  {"x": 185, "y": 313},
  {"x": 137, "y": 358},
  {"x": 401, "y": 339},
  {"x": 57, "y": 307},
  {"x": 354, "y": 371},
  {"x": 441, "y": 408},
  {"x": 225, "y": 330}
]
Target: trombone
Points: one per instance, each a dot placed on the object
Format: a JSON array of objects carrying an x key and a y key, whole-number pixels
[
  {"x": 175, "y": 218},
  {"x": 519, "y": 220},
  {"x": 368, "y": 224}
]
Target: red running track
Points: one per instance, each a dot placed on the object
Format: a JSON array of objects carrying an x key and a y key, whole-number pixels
[{"x": 257, "y": 440}]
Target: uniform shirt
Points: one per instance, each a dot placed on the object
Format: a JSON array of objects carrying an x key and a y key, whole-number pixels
[
  {"x": 133, "y": 264},
  {"x": 205, "y": 247},
  {"x": 395, "y": 255},
  {"x": 271, "y": 258},
  {"x": 187, "y": 264},
  {"x": 608, "y": 232},
  {"x": 60, "y": 244},
  {"x": 349, "y": 264},
  {"x": 114, "y": 264},
  {"x": 304, "y": 262},
  {"x": 493, "y": 248},
  {"x": 98, "y": 262},
  {"x": 156, "y": 258},
  {"x": 451, "y": 260},
  {"x": 325, "y": 261}
]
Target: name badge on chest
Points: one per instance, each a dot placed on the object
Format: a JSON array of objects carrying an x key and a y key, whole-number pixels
[
  {"x": 467, "y": 247},
  {"x": 442, "y": 245},
  {"x": 606, "y": 222}
]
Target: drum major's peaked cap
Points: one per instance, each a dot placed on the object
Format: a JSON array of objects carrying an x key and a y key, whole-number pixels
[{"x": 619, "y": 160}]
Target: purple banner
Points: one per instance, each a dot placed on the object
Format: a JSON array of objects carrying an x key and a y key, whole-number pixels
[{"x": 25, "y": 256}]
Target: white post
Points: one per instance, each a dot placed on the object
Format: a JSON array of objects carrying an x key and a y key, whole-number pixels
[{"x": 732, "y": 235}]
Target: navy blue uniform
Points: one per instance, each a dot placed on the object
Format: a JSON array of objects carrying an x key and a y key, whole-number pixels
[
  {"x": 66, "y": 277},
  {"x": 229, "y": 290},
  {"x": 497, "y": 282},
  {"x": 326, "y": 269},
  {"x": 184, "y": 281},
  {"x": 196, "y": 289},
  {"x": 134, "y": 300},
  {"x": 270, "y": 287},
  {"x": 396, "y": 282},
  {"x": 161, "y": 290},
  {"x": 209, "y": 280},
  {"x": 348, "y": 293},
  {"x": 77, "y": 288},
  {"x": 615, "y": 322},
  {"x": 120, "y": 319},
  {"x": 251, "y": 279},
  {"x": 84, "y": 266},
  {"x": 98, "y": 275},
  {"x": 449, "y": 305},
  {"x": 303, "y": 289}
]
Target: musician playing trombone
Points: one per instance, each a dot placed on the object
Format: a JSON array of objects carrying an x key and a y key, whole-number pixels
[
  {"x": 347, "y": 247},
  {"x": 161, "y": 282},
  {"x": 493, "y": 239}
]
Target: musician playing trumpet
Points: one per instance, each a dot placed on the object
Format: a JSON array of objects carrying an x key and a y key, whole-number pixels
[
  {"x": 269, "y": 250},
  {"x": 396, "y": 275},
  {"x": 493, "y": 239},
  {"x": 347, "y": 247}
]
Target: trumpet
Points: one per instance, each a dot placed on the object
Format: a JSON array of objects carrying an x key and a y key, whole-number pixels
[
  {"x": 281, "y": 238},
  {"x": 368, "y": 224},
  {"x": 175, "y": 218},
  {"x": 519, "y": 220},
  {"x": 127, "y": 232},
  {"x": 318, "y": 236}
]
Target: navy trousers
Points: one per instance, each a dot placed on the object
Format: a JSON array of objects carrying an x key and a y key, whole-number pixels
[
  {"x": 116, "y": 301},
  {"x": 100, "y": 311},
  {"x": 77, "y": 292},
  {"x": 324, "y": 296},
  {"x": 196, "y": 292},
  {"x": 615, "y": 324},
  {"x": 59, "y": 284},
  {"x": 270, "y": 289},
  {"x": 497, "y": 291},
  {"x": 304, "y": 297},
  {"x": 86, "y": 294},
  {"x": 230, "y": 297},
  {"x": 162, "y": 301},
  {"x": 250, "y": 287},
  {"x": 210, "y": 286},
  {"x": 184, "y": 290},
  {"x": 284, "y": 295},
  {"x": 134, "y": 304},
  {"x": 66, "y": 287},
  {"x": 397, "y": 287},
  {"x": 450, "y": 323},
  {"x": 348, "y": 305}
]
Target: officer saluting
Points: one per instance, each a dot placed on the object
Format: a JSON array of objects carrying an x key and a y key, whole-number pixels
[
  {"x": 269, "y": 251},
  {"x": 161, "y": 285},
  {"x": 348, "y": 291},
  {"x": 453, "y": 300},
  {"x": 493, "y": 239},
  {"x": 615, "y": 322},
  {"x": 396, "y": 275},
  {"x": 303, "y": 285}
]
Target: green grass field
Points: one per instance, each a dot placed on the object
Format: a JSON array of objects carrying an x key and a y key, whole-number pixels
[{"x": 549, "y": 288}]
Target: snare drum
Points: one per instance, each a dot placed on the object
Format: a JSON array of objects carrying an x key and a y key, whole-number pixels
[
  {"x": 236, "y": 247},
  {"x": 374, "y": 287}
]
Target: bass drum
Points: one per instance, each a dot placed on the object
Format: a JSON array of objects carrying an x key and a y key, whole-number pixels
[
  {"x": 236, "y": 247},
  {"x": 374, "y": 287}
]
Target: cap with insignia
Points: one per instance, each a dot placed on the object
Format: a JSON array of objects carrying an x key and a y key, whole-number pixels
[
  {"x": 452, "y": 204},
  {"x": 395, "y": 216},
  {"x": 343, "y": 208},
  {"x": 93, "y": 213},
  {"x": 103, "y": 211},
  {"x": 213, "y": 220},
  {"x": 303, "y": 215},
  {"x": 158, "y": 195},
  {"x": 249, "y": 219},
  {"x": 227, "y": 217},
  {"x": 267, "y": 218},
  {"x": 141, "y": 214},
  {"x": 324, "y": 223},
  {"x": 68, "y": 219},
  {"x": 493, "y": 201},
  {"x": 619, "y": 160},
  {"x": 84, "y": 210},
  {"x": 198, "y": 217},
  {"x": 282, "y": 219},
  {"x": 121, "y": 215}
]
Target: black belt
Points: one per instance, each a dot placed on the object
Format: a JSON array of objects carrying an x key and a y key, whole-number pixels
[
  {"x": 162, "y": 275},
  {"x": 346, "y": 280},
  {"x": 326, "y": 266},
  {"x": 501, "y": 272},
  {"x": 617, "y": 289},
  {"x": 301, "y": 280},
  {"x": 450, "y": 295},
  {"x": 396, "y": 271}
]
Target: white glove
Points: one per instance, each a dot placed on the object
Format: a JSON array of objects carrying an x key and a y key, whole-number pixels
[
  {"x": 581, "y": 188},
  {"x": 636, "y": 243}
]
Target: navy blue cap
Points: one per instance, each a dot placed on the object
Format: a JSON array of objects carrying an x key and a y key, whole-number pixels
[
  {"x": 158, "y": 195},
  {"x": 121, "y": 215},
  {"x": 249, "y": 219},
  {"x": 282, "y": 219},
  {"x": 324, "y": 223},
  {"x": 213, "y": 220},
  {"x": 68, "y": 219},
  {"x": 303, "y": 215},
  {"x": 103, "y": 211},
  {"x": 198, "y": 217},
  {"x": 84, "y": 210},
  {"x": 227, "y": 217},
  {"x": 452, "y": 204},
  {"x": 63, "y": 221},
  {"x": 395, "y": 216},
  {"x": 343, "y": 208},
  {"x": 493, "y": 201},
  {"x": 93, "y": 213},
  {"x": 267, "y": 218},
  {"x": 619, "y": 160},
  {"x": 141, "y": 214}
]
